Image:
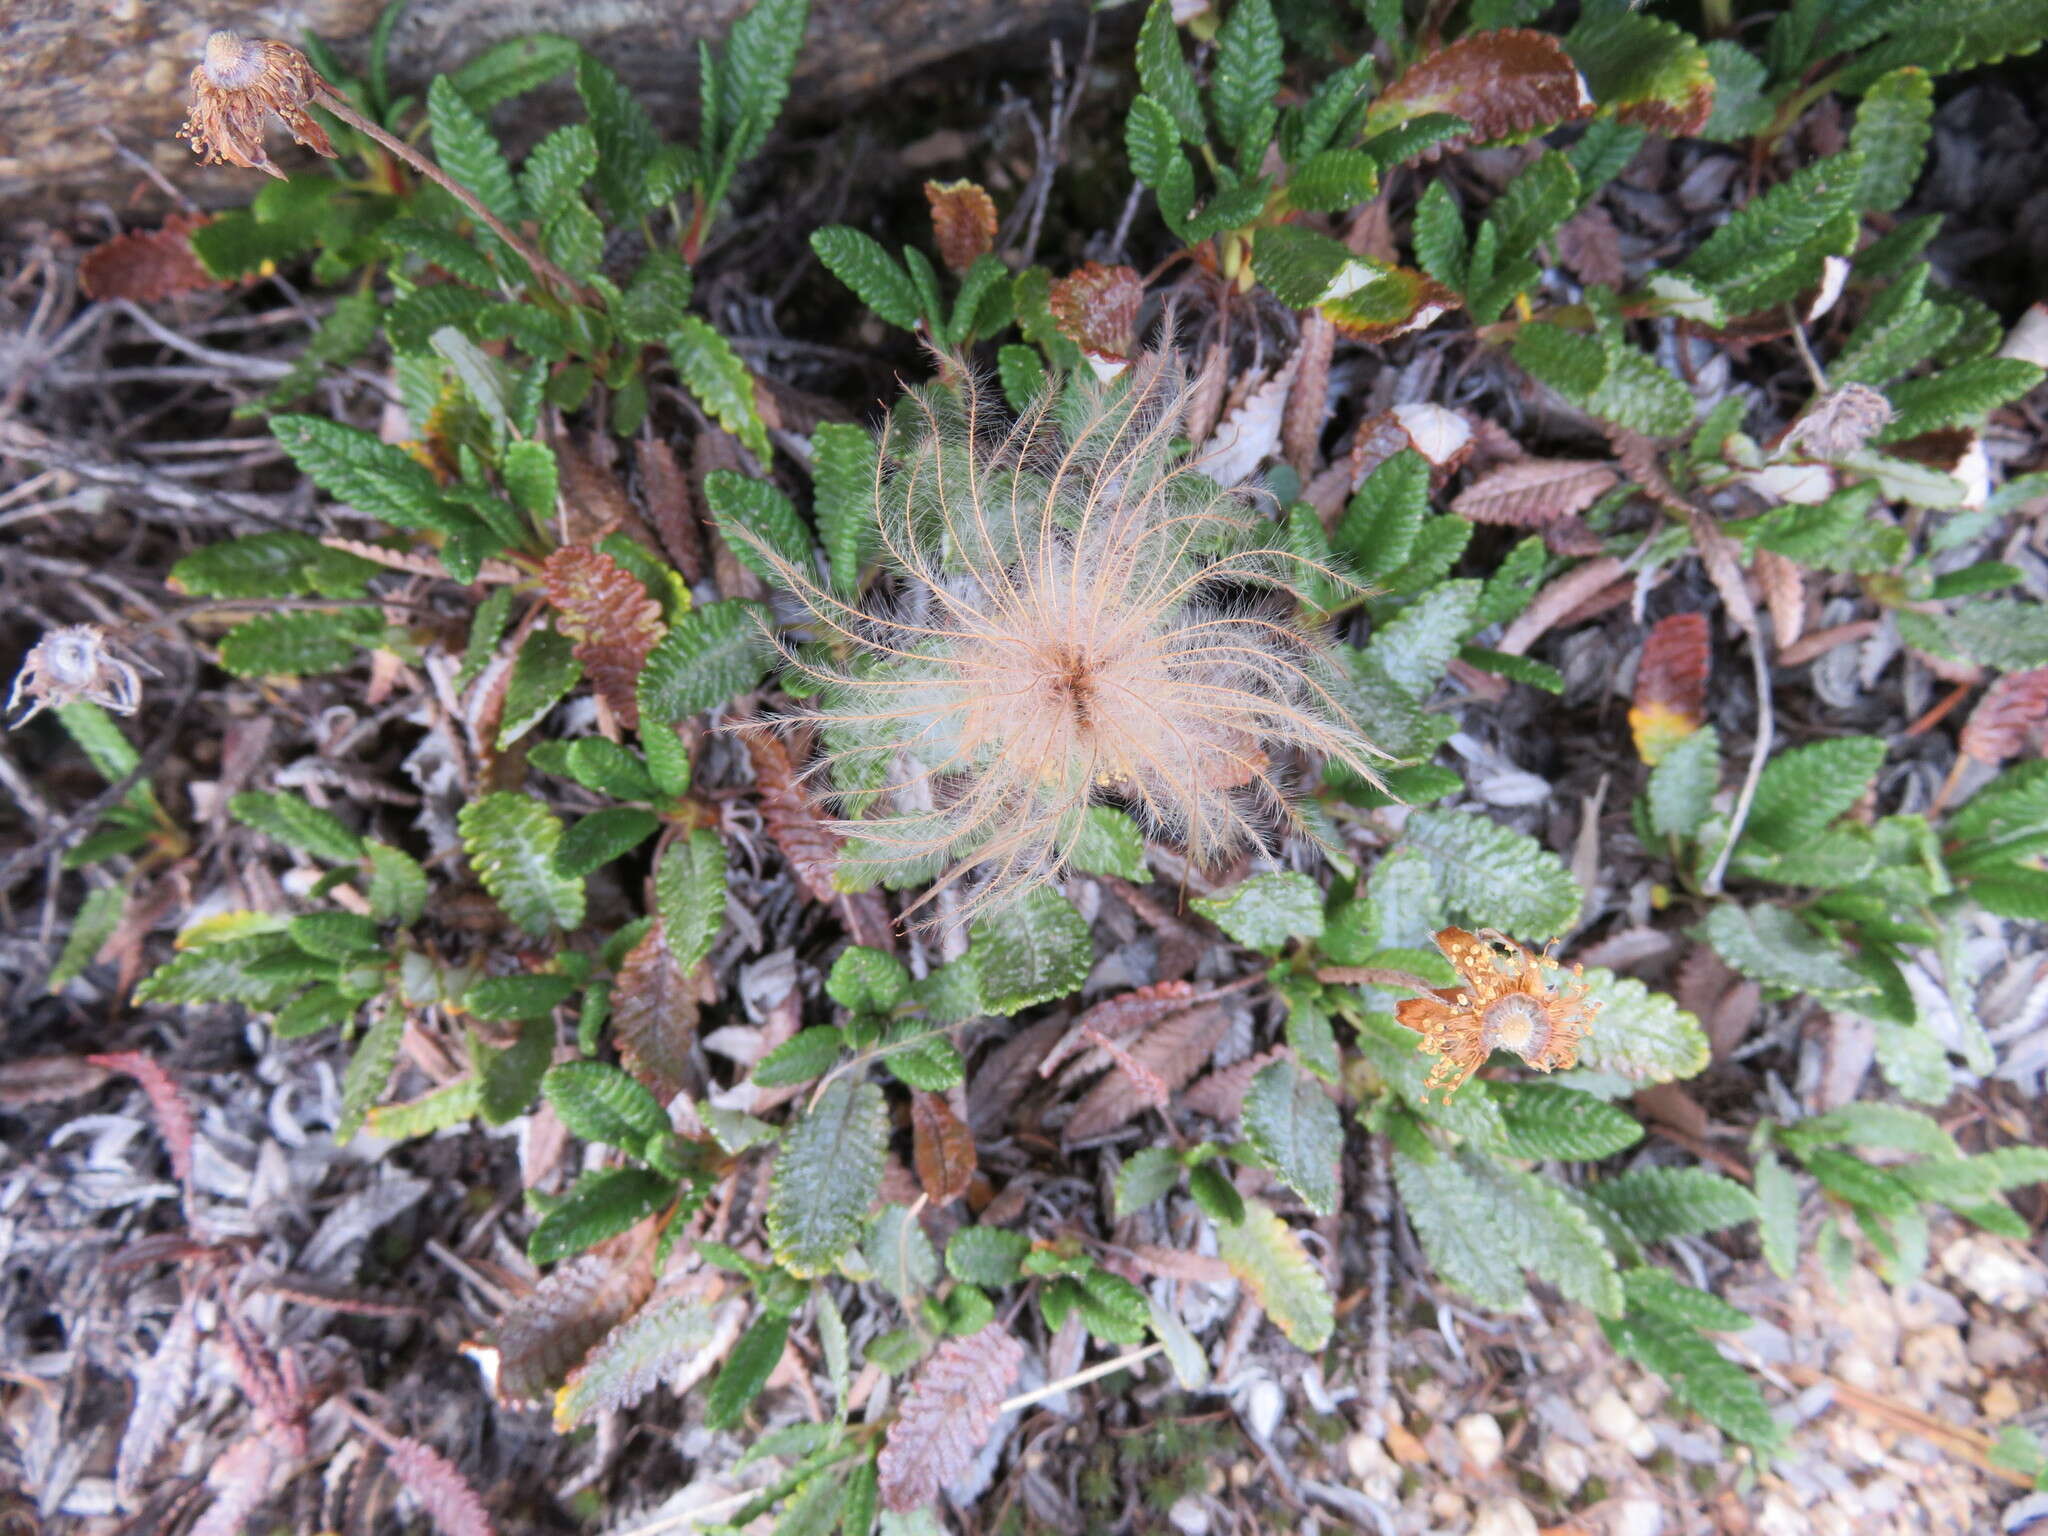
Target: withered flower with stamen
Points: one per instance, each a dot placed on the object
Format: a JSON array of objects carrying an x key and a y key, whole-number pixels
[
  {"x": 237, "y": 82},
  {"x": 70, "y": 664},
  {"x": 1506, "y": 1003}
]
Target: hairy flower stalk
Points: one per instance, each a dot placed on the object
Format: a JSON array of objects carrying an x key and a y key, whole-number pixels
[
  {"x": 1074, "y": 621},
  {"x": 241, "y": 80}
]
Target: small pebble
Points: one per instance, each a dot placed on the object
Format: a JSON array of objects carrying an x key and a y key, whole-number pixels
[
  {"x": 1504, "y": 1517},
  {"x": 1638, "y": 1517},
  {"x": 1564, "y": 1467},
  {"x": 1479, "y": 1438},
  {"x": 1614, "y": 1420}
]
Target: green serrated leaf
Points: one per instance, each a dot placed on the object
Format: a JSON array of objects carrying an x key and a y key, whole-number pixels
[
  {"x": 1163, "y": 72},
  {"x": 689, "y": 893},
  {"x": 466, "y": 150},
  {"x": 1146, "y": 1175},
  {"x": 1030, "y": 951},
  {"x": 598, "y": 1102},
  {"x": 867, "y": 980},
  {"x": 1545, "y": 1120},
  {"x": 708, "y": 655},
  {"x": 511, "y": 842},
  {"x": 543, "y": 674},
  {"x": 1495, "y": 877},
  {"x": 1657, "y": 1203},
  {"x": 844, "y": 471},
  {"x": 97, "y": 918},
  {"x": 1683, "y": 783},
  {"x": 1773, "y": 946},
  {"x": 626, "y": 141},
  {"x": 761, "y": 527},
  {"x": 804, "y": 1057},
  {"x": 713, "y": 372},
  {"x": 1245, "y": 78},
  {"x": 986, "y": 1256},
  {"x": 290, "y": 820},
  {"x": 1803, "y": 789},
  {"x": 827, "y": 1172},
  {"x": 1777, "y": 1198},
  {"x": 1716, "y": 1388},
  {"x": 1639, "y": 1034},
  {"x": 369, "y": 1071},
  {"x": 601, "y": 1204},
  {"x": 876, "y": 278},
  {"x": 662, "y": 1338},
  {"x": 1294, "y": 1128},
  {"x": 1265, "y": 911},
  {"x": 1266, "y": 1256}
]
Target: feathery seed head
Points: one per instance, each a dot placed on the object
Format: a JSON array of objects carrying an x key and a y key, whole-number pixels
[{"x": 1075, "y": 621}]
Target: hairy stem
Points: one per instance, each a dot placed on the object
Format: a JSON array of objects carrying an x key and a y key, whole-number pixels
[{"x": 334, "y": 102}]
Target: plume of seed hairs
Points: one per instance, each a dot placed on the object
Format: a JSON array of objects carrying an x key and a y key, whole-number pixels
[{"x": 1076, "y": 618}]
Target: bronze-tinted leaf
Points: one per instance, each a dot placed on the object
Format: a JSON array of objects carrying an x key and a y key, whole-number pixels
[
  {"x": 942, "y": 1147},
  {"x": 1528, "y": 493},
  {"x": 174, "y": 1121},
  {"x": 1120, "y": 1017},
  {"x": 654, "y": 1016},
  {"x": 1395, "y": 303},
  {"x": 1671, "y": 685},
  {"x": 602, "y": 607},
  {"x": 550, "y": 1329},
  {"x": 444, "y": 1493},
  {"x": 1096, "y": 307},
  {"x": 149, "y": 264},
  {"x": 1172, "y": 1053},
  {"x": 811, "y": 847},
  {"x": 948, "y": 1414},
  {"x": 1504, "y": 83},
  {"x": 963, "y": 222},
  {"x": 2013, "y": 711}
]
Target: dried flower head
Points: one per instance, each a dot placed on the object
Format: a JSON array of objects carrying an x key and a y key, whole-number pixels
[
  {"x": 238, "y": 80},
  {"x": 1075, "y": 619},
  {"x": 73, "y": 663},
  {"x": 1506, "y": 1003},
  {"x": 1840, "y": 423}
]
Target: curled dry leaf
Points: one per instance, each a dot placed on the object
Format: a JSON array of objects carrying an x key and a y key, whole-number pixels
[
  {"x": 942, "y": 1147},
  {"x": 166, "y": 1101},
  {"x": 1308, "y": 402},
  {"x": 1840, "y": 423},
  {"x": 2012, "y": 714},
  {"x": 1671, "y": 685},
  {"x": 1119, "y": 1018},
  {"x": 811, "y": 846},
  {"x": 443, "y": 1492},
  {"x": 576, "y": 1304},
  {"x": 950, "y": 1411},
  {"x": 1528, "y": 493},
  {"x": 1096, "y": 308},
  {"x": 1784, "y": 586},
  {"x": 147, "y": 265},
  {"x": 240, "y": 1478},
  {"x": 162, "y": 1389},
  {"x": 1504, "y": 82},
  {"x": 654, "y": 1015},
  {"x": 1172, "y": 1053},
  {"x": 1441, "y": 435},
  {"x": 48, "y": 1079},
  {"x": 963, "y": 222},
  {"x": 671, "y": 509},
  {"x": 604, "y": 609},
  {"x": 677, "y": 1336},
  {"x": 1558, "y": 599},
  {"x": 1250, "y": 434}
]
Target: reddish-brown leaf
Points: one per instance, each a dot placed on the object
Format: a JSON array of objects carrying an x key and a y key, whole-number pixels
[
  {"x": 550, "y": 1329},
  {"x": 443, "y": 1492},
  {"x": 654, "y": 1016},
  {"x": 148, "y": 264},
  {"x": 1528, "y": 493},
  {"x": 47, "y": 1079},
  {"x": 1590, "y": 246},
  {"x": 1503, "y": 83},
  {"x": 811, "y": 847},
  {"x": 1119, "y": 1018},
  {"x": 1220, "y": 1095},
  {"x": 942, "y": 1147},
  {"x": 1558, "y": 599},
  {"x": 1096, "y": 307},
  {"x": 666, "y": 491},
  {"x": 963, "y": 222},
  {"x": 602, "y": 607},
  {"x": 240, "y": 1478},
  {"x": 1671, "y": 685},
  {"x": 1172, "y": 1053},
  {"x": 2013, "y": 711},
  {"x": 173, "y": 1115},
  {"x": 950, "y": 1411},
  {"x": 1784, "y": 587},
  {"x": 1308, "y": 401}
]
